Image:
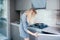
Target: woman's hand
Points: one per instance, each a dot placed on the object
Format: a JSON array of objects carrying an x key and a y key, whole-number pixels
[{"x": 36, "y": 34}]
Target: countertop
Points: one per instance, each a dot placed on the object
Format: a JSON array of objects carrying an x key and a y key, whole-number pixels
[{"x": 48, "y": 29}]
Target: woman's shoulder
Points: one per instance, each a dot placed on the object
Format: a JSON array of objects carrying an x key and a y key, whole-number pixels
[
  {"x": 26, "y": 13},
  {"x": 23, "y": 15}
]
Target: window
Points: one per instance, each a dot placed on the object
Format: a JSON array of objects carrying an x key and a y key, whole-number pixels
[{"x": 1, "y": 7}]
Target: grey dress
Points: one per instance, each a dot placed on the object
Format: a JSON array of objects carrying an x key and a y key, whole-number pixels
[{"x": 23, "y": 26}]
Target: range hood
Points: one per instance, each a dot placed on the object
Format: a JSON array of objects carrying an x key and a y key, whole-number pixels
[{"x": 38, "y": 4}]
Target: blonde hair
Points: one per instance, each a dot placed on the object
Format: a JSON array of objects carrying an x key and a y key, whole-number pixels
[{"x": 33, "y": 10}]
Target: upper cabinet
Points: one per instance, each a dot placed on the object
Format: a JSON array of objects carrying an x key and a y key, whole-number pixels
[
  {"x": 53, "y": 4},
  {"x": 40, "y": 4},
  {"x": 27, "y": 4},
  {"x": 23, "y": 4}
]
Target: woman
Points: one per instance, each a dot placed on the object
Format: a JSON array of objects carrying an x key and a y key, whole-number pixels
[{"x": 27, "y": 19}]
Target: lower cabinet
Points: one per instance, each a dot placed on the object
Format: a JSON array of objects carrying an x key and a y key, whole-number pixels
[{"x": 15, "y": 34}]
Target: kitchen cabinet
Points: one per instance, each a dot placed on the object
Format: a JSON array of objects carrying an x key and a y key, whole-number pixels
[
  {"x": 15, "y": 33},
  {"x": 27, "y": 4},
  {"x": 23, "y": 4},
  {"x": 46, "y": 36},
  {"x": 48, "y": 4}
]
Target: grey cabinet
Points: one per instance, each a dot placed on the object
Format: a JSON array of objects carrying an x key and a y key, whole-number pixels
[
  {"x": 15, "y": 33},
  {"x": 23, "y": 4},
  {"x": 27, "y": 4}
]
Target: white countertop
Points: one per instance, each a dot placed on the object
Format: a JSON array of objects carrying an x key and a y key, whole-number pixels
[
  {"x": 49, "y": 29},
  {"x": 15, "y": 24}
]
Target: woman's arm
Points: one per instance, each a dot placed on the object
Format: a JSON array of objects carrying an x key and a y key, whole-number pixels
[{"x": 31, "y": 33}]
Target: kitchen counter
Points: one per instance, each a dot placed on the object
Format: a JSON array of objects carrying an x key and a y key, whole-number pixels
[
  {"x": 48, "y": 29},
  {"x": 42, "y": 36}
]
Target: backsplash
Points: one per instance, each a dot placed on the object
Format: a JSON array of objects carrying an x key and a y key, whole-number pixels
[{"x": 48, "y": 17}]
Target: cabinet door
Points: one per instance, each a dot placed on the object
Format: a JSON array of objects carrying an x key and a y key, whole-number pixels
[{"x": 23, "y": 4}]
